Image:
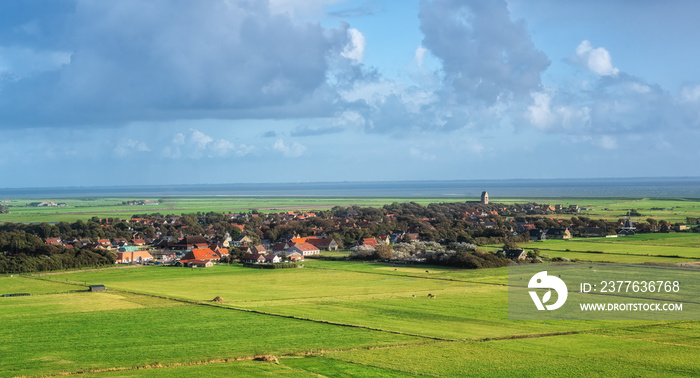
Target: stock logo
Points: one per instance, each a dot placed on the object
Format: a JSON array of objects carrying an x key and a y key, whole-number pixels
[{"x": 542, "y": 281}]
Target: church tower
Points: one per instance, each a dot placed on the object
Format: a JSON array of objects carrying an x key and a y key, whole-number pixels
[{"x": 484, "y": 198}]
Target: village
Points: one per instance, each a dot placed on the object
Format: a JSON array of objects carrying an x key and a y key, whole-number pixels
[{"x": 254, "y": 238}]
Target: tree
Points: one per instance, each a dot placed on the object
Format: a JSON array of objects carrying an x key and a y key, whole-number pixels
[
  {"x": 383, "y": 252},
  {"x": 509, "y": 244},
  {"x": 4, "y": 209}
]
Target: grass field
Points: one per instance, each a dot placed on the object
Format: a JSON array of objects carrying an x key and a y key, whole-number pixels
[
  {"x": 86, "y": 208},
  {"x": 331, "y": 318},
  {"x": 669, "y": 209}
]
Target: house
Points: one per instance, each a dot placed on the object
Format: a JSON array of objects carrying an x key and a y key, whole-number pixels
[
  {"x": 133, "y": 257},
  {"x": 326, "y": 244},
  {"x": 119, "y": 242},
  {"x": 242, "y": 240},
  {"x": 557, "y": 233},
  {"x": 258, "y": 249},
  {"x": 192, "y": 242},
  {"x": 536, "y": 234},
  {"x": 138, "y": 242},
  {"x": 372, "y": 242},
  {"x": 200, "y": 264},
  {"x": 222, "y": 252},
  {"x": 305, "y": 249},
  {"x": 281, "y": 247},
  {"x": 54, "y": 241},
  {"x": 253, "y": 258},
  {"x": 295, "y": 256},
  {"x": 272, "y": 259},
  {"x": 202, "y": 254},
  {"x": 515, "y": 254}
]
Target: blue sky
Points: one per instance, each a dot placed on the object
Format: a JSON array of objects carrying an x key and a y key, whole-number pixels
[{"x": 99, "y": 93}]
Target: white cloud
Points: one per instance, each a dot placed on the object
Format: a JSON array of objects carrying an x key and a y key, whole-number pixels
[
  {"x": 221, "y": 147},
  {"x": 543, "y": 115},
  {"x": 295, "y": 149},
  {"x": 199, "y": 139},
  {"x": 419, "y": 55},
  {"x": 197, "y": 145},
  {"x": 597, "y": 60},
  {"x": 355, "y": 49},
  {"x": 127, "y": 147}
]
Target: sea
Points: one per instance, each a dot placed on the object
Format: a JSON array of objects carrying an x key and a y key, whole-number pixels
[{"x": 683, "y": 187}]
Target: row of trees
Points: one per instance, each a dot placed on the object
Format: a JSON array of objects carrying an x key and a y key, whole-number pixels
[{"x": 23, "y": 252}]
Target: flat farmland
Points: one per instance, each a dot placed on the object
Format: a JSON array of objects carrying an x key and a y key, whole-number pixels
[
  {"x": 600, "y": 353},
  {"x": 111, "y": 330},
  {"x": 669, "y": 209},
  {"x": 331, "y": 318},
  {"x": 105, "y": 207}
]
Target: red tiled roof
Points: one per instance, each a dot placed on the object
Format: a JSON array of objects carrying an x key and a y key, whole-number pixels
[
  {"x": 306, "y": 247},
  {"x": 205, "y": 254},
  {"x": 369, "y": 241}
]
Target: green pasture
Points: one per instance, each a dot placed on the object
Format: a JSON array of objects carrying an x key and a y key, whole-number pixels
[
  {"x": 669, "y": 209},
  {"x": 468, "y": 304},
  {"x": 330, "y": 318},
  {"x": 100, "y": 333},
  {"x": 599, "y": 353},
  {"x": 104, "y": 207},
  {"x": 641, "y": 248},
  {"x": 287, "y": 367},
  {"x": 217, "y": 369},
  {"x": 11, "y": 284}
]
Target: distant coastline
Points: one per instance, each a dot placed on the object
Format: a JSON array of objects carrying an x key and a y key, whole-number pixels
[{"x": 685, "y": 187}]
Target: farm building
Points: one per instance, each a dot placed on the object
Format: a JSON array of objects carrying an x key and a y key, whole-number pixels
[
  {"x": 305, "y": 249},
  {"x": 203, "y": 254},
  {"x": 97, "y": 288},
  {"x": 515, "y": 254},
  {"x": 254, "y": 258},
  {"x": 133, "y": 257},
  {"x": 326, "y": 244}
]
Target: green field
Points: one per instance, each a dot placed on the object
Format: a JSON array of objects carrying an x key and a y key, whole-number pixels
[
  {"x": 641, "y": 248},
  {"x": 669, "y": 209},
  {"x": 330, "y": 318},
  {"x": 104, "y": 207}
]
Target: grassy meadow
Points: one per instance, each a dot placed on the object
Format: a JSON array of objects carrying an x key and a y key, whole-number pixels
[
  {"x": 330, "y": 318},
  {"x": 669, "y": 209}
]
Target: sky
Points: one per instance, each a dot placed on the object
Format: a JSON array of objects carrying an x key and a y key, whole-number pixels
[{"x": 166, "y": 92}]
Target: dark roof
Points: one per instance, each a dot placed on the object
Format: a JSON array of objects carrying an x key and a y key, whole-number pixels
[
  {"x": 325, "y": 243},
  {"x": 514, "y": 253}
]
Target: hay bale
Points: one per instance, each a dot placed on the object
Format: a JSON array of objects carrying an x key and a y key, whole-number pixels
[
  {"x": 218, "y": 299},
  {"x": 267, "y": 358}
]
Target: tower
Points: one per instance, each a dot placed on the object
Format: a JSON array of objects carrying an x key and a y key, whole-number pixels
[{"x": 484, "y": 198}]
